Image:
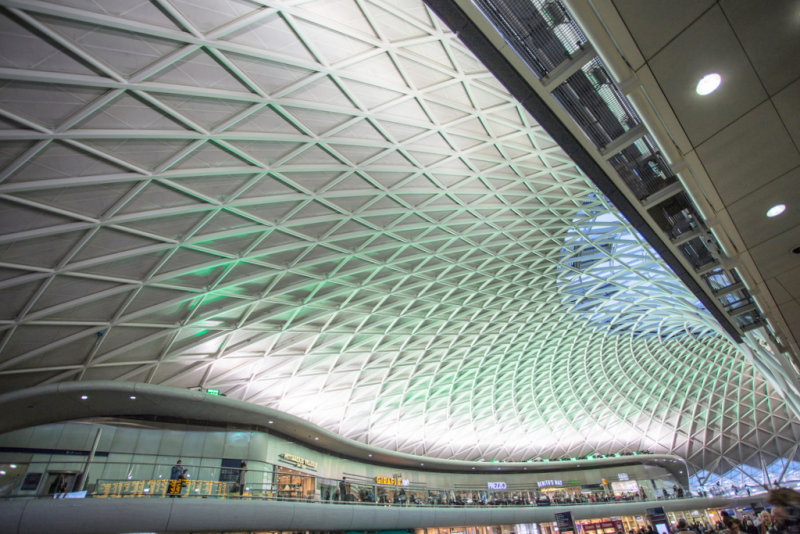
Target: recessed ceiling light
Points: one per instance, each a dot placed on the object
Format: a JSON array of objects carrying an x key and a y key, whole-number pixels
[
  {"x": 776, "y": 210},
  {"x": 370, "y": 456},
  {"x": 84, "y": 397},
  {"x": 269, "y": 422},
  {"x": 708, "y": 84},
  {"x": 316, "y": 439},
  {"x": 133, "y": 397}
]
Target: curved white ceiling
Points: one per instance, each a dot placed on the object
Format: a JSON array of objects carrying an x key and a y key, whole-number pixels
[{"x": 331, "y": 208}]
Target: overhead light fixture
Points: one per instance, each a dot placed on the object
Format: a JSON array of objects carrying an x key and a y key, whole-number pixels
[
  {"x": 132, "y": 397},
  {"x": 708, "y": 84},
  {"x": 776, "y": 210},
  {"x": 84, "y": 397}
]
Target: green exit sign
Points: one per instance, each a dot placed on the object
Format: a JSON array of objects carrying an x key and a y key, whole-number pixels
[{"x": 212, "y": 391}]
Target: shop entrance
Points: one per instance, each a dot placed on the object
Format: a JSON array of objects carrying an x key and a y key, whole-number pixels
[
  {"x": 58, "y": 483},
  {"x": 294, "y": 485}
]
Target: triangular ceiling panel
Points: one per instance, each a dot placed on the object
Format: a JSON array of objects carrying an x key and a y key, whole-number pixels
[
  {"x": 205, "y": 15},
  {"x": 197, "y": 66},
  {"x": 46, "y": 105}
]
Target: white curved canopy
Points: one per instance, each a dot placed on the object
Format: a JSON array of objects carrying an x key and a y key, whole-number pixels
[{"x": 332, "y": 209}]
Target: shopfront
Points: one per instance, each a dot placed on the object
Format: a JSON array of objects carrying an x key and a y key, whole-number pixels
[
  {"x": 605, "y": 526},
  {"x": 294, "y": 484},
  {"x": 399, "y": 490},
  {"x": 625, "y": 488},
  {"x": 558, "y": 491}
]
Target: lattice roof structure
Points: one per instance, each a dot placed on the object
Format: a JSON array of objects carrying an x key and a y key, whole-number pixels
[{"x": 333, "y": 209}]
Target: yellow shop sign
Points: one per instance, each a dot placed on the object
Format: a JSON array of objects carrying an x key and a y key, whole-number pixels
[
  {"x": 299, "y": 462},
  {"x": 392, "y": 481}
]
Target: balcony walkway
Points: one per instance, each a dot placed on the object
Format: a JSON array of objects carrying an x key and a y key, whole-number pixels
[{"x": 55, "y": 516}]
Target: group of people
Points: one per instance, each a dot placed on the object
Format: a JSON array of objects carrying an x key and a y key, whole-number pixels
[{"x": 783, "y": 519}]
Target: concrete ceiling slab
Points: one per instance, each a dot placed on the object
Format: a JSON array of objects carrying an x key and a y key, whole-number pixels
[
  {"x": 750, "y": 211},
  {"x": 787, "y": 102},
  {"x": 769, "y": 36},
  {"x": 774, "y": 256},
  {"x": 758, "y": 132},
  {"x": 678, "y": 67},
  {"x": 654, "y": 24}
]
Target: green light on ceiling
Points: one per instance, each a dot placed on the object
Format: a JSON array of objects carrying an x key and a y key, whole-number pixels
[
  {"x": 573, "y": 458},
  {"x": 201, "y": 332},
  {"x": 590, "y": 457},
  {"x": 213, "y": 391}
]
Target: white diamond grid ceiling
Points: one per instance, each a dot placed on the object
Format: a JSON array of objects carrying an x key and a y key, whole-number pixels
[{"x": 331, "y": 208}]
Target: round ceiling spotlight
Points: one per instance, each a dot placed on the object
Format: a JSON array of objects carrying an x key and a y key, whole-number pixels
[
  {"x": 776, "y": 210},
  {"x": 708, "y": 84}
]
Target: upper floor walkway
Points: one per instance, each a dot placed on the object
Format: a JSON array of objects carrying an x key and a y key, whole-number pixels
[{"x": 93, "y": 515}]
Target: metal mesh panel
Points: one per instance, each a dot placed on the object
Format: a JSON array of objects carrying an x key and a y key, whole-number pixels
[
  {"x": 542, "y": 33},
  {"x": 718, "y": 279},
  {"x": 696, "y": 252},
  {"x": 643, "y": 168}
]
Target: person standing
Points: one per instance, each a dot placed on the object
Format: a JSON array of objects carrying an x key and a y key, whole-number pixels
[
  {"x": 176, "y": 478},
  {"x": 343, "y": 489},
  {"x": 242, "y": 476},
  {"x": 683, "y": 527}
]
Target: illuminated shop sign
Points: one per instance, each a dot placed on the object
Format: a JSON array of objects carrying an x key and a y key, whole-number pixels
[
  {"x": 548, "y": 483},
  {"x": 299, "y": 462},
  {"x": 392, "y": 481},
  {"x": 497, "y": 485}
]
